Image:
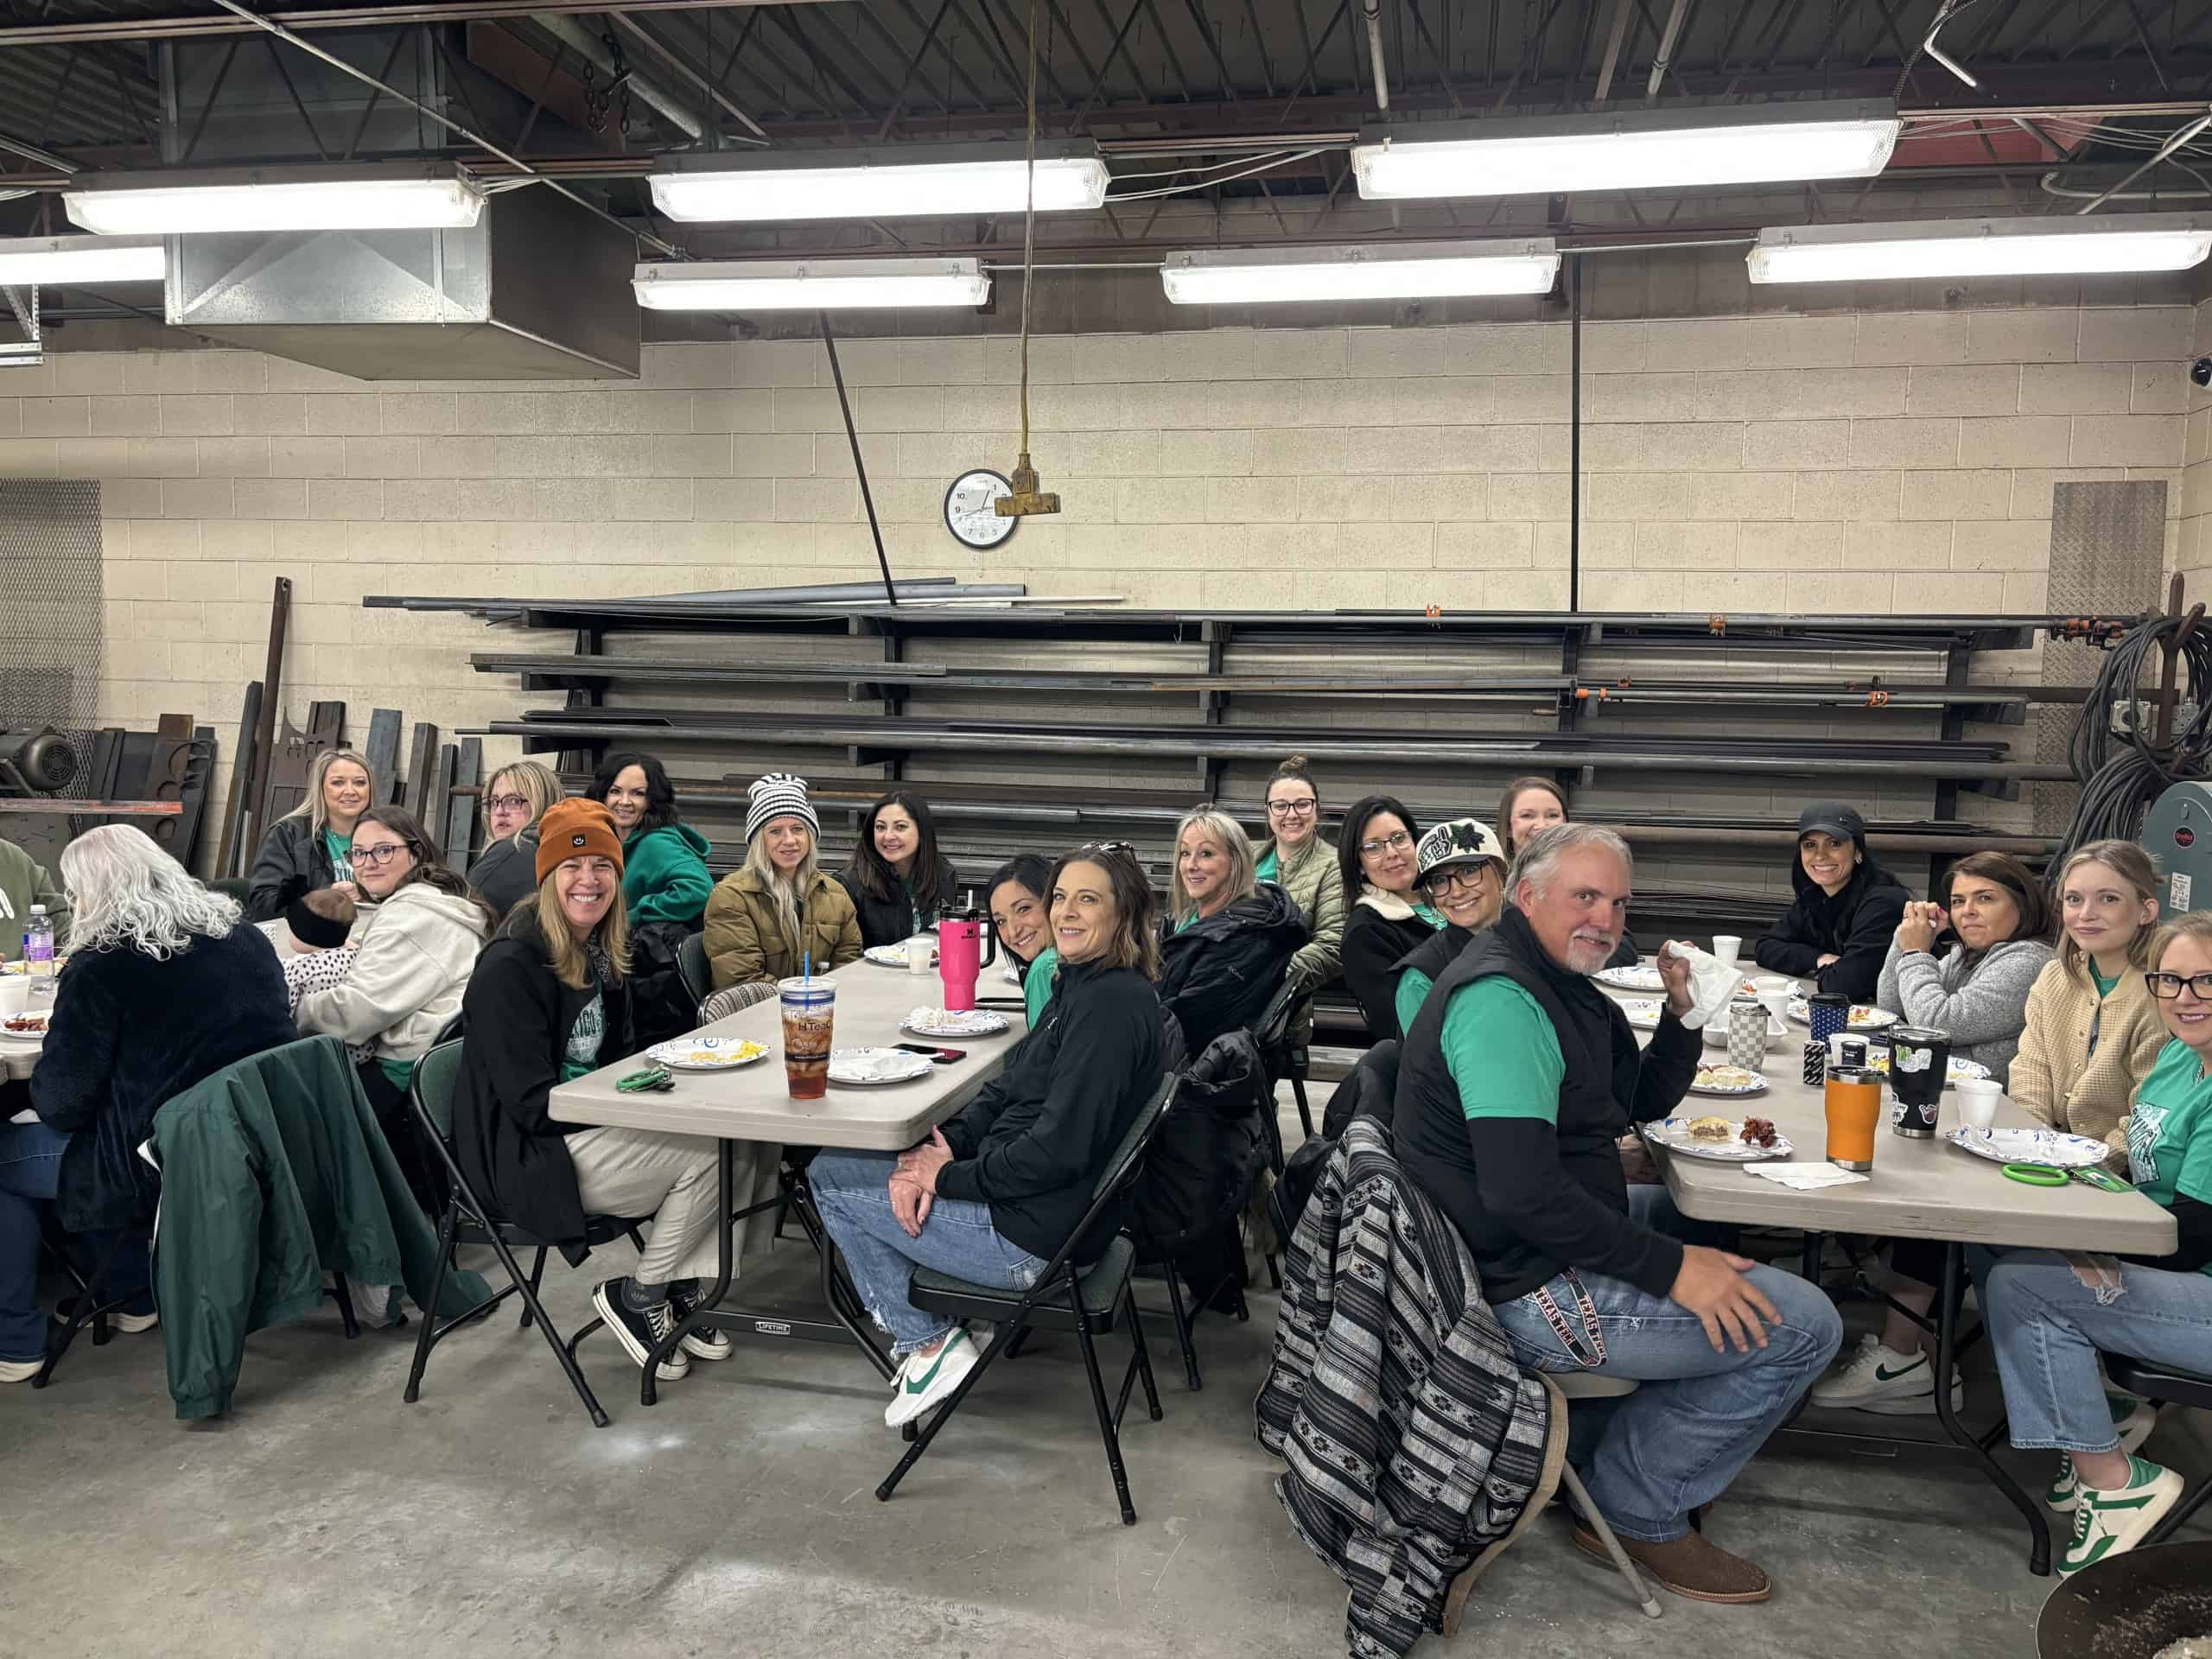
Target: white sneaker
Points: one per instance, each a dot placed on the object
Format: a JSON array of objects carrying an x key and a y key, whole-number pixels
[
  {"x": 132, "y": 1323},
  {"x": 1878, "y": 1379},
  {"x": 375, "y": 1306},
  {"x": 2133, "y": 1418},
  {"x": 19, "y": 1371},
  {"x": 925, "y": 1382},
  {"x": 2115, "y": 1522}
]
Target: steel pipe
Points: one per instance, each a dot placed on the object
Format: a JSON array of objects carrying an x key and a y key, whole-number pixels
[
  {"x": 588, "y": 47},
  {"x": 434, "y": 12}
]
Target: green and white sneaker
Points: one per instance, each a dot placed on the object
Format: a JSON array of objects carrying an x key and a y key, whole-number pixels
[
  {"x": 925, "y": 1382},
  {"x": 2133, "y": 1418},
  {"x": 2111, "y": 1522}
]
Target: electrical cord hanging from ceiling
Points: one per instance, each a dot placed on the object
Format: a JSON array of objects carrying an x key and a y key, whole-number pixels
[
  {"x": 2120, "y": 775},
  {"x": 1207, "y": 184}
]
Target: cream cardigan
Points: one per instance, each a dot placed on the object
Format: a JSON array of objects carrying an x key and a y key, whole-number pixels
[{"x": 2056, "y": 1078}]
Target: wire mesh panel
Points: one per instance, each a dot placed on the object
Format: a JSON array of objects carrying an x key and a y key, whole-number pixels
[{"x": 51, "y": 605}]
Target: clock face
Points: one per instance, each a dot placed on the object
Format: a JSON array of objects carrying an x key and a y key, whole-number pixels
[{"x": 968, "y": 513}]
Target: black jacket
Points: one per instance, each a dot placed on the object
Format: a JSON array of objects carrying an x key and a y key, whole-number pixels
[
  {"x": 505, "y": 872},
  {"x": 127, "y": 1033},
  {"x": 1532, "y": 1196},
  {"x": 1857, "y": 925},
  {"x": 291, "y": 852},
  {"x": 517, "y": 1016},
  {"x": 1373, "y": 947},
  {"x": 1199, "y": 1170},
  {"x": 1221, "y": 973},
  {"x": 892, "y": 921},
  {"x": 1034, "y": 1142}
]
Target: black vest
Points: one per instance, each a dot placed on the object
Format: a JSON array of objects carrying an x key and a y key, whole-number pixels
[
  {"x": 1430, "y": 957},
  {"x": 1602, "y": 1065}
]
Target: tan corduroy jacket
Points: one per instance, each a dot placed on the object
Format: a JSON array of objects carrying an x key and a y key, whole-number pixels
[
  {"x": 746, "y": 941},
  {"x": 2056, "y": 1078}
]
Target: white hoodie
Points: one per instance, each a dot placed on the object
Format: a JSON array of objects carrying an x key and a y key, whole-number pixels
[{"x": 410, "y": 968}]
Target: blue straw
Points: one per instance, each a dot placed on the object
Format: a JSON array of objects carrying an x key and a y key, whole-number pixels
[{"x": 807, "y": 971}]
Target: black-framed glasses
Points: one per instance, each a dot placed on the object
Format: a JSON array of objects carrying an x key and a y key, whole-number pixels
[
  {"x": 2167, "y": 987},
  {"x": 1293, "y": 809},
  {"x": 376, "y": 857},
  {"x": 508, "y": 803},
  {"x": 1458, "y": 878},
  {"x": 1394, "y": 843}
]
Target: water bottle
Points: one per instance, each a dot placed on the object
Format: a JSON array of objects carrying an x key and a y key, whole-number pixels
[{"x": 38, "y": 944}]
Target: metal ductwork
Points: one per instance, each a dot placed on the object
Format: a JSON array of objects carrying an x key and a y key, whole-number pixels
[{"x": 538, "y": 289}]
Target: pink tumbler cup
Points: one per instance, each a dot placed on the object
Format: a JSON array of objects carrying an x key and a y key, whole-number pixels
[{"x": 966, "y": 945}]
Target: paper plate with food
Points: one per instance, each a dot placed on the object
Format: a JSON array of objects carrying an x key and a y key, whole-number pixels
[
  {"x": 2052, "y": 1147},
  {"x": 861, "y": 1066},
  {"x": 1643, "y": 1012},
  {"x": 705, "y": 1053},
  {"x": 1642, "y": 977},
  {"x": 1727, "y": 1080},
  {"x": 1863, "y": 1017},
  {"x": 944, "y": 1022},
  {"x": 24, "y": 1027},
  {"x": 893, "y": 956},
  {"x": 1724, "y": 1140},
  {"x": 1878, "y": 1059},
  {"x": 19, "y": 966}
]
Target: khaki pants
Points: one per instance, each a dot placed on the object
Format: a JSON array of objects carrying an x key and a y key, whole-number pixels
[{"x": 671, "y": 1178}]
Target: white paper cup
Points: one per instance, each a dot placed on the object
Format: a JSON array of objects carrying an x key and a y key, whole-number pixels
[
  {"x": 1978, "y": 1098},
  {"x": 15, "y": 994},
  {"x": 1727, "y": 947}
]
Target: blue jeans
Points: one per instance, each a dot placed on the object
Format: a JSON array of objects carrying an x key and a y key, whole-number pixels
[
  {"x": 30, "y": 1166},
  {"x": 2047, "y": 1318},
  {"x": 1678, "y": 1439},
  {"x": 853, "y": 1192}
]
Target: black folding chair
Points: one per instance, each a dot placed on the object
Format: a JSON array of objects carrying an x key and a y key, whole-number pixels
[
  {"x": 2163, "y": 1383},
  {"x": 698, "y": 973},
  {"x": 466, "y": 1219},
  {"x": 1286, "y": 1059},
  {"x": 1094, "y": 1296},
  {"x": 88, "y": 1308}
]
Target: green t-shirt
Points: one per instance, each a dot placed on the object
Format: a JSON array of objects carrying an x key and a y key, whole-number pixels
[
  {"x": 1434, "y": 917},
  {"x": 2170, "y": 1133},
  {"x": 1503, "y": 1052},
  {"x": 2104, "y": 985},
  {"x": 402, "y": 1072},
  {"x": 585, "y": 1037},
  {"x": 1412, "y": 991},
  {"x": 1037, "y": 988},
  {"x": 1265, "y": 870},
  {"x": 340, "y": 848}
]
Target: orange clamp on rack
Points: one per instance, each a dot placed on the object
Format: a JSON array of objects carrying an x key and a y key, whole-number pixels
[
  {"x": 1434, "y": 611},
  {"x": 1878, "y": 699},
  {"x": 1717, "y": 623}
]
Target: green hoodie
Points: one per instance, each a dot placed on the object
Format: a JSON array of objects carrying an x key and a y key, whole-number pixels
[
  {"x": 664, "y": 875},
  {"x": 24, "y": 883}
]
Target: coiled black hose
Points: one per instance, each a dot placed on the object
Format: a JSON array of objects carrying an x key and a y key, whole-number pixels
[{"x": 2120, "y": 775}]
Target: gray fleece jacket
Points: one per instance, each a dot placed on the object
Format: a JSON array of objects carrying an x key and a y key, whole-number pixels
[{"x": 1984, "y": 1008}]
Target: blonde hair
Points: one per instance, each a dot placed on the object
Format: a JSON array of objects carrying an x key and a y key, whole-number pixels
[
  {"x": 314, "y": 809},
  {"x": 2190, "y": 924},
  {"x": 1220, "y": 827},
  {"x": 126, "y": 891},
  {"x": 2132, "y": 865},
  {"x": 570, "y": 961},
  {"x": 534, "y": 780},
  {"x": 784, "y": 893}
]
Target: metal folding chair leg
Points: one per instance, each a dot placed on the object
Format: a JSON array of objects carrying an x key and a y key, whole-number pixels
[
  {"x": 1140, "y": 1358},
  {"x": 1305, "y": 1111},
  {"x": 449, "y": 1224},
  {"x": 1191, "y": 1376},
  {"x": 89, "y": 1310},
  {"x": 1596, "y": 1521},
  {"x": 1106, "y": 1429},
  {"x": 344, "y": 1297},
  {"x": 536, "y": 1278}
]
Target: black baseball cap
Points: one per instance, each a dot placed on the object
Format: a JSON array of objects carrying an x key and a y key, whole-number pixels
[{"x": 1834, "y": 818}]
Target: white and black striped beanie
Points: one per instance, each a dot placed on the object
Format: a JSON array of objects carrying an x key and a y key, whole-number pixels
[{"x": 778, "y": 795}]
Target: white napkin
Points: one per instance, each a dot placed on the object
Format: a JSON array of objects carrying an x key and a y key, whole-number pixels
[
  {"x": 1805, "y": 1178},
  {"x": 1713, "y": 982}
]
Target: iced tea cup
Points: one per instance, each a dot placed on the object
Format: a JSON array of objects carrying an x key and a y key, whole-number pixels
[
  {"x": 1854, "y": 1099},
  {"x": 809, "y": 1023}
]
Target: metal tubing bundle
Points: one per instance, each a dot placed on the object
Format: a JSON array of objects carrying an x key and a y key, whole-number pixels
[{"x": 2121, "y": 776}]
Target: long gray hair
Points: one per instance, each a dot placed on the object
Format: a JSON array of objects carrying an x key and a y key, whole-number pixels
[
  {"x": 123, "y": 890},
  {"x": 1541, "y": 854}
]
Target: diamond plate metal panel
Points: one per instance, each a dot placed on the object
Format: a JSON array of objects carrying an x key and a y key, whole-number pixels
[{"x": 2108, "y": 554}]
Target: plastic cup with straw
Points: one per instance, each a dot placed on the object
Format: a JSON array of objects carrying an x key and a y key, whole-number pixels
[{"x": 810, "y": 1015}]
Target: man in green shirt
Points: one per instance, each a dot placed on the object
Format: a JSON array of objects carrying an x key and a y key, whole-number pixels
[{"x": 1515, "y": 1080}]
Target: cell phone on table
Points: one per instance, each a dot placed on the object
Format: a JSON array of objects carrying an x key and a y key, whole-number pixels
[{"x": 937, "y": 1056}]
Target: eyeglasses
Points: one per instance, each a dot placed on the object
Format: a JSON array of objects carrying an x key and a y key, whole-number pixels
[
  {"x": 1470, "y": 877},
  {"x": 1292, "y": 809},
  {"x": 376, "y": 857},
  {"x": 1397, "y": 843},
  {"x": 508, "y": 803},
  {"x": 1108, "y": 847},
  {"x": 2167, "y": 987}
]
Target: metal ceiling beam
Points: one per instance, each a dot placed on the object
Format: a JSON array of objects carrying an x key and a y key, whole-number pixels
[
  {"x": 432, "y": 11},
  {"x": 674, "y": 61}
]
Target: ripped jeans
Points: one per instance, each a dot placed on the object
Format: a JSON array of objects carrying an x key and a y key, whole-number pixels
[
  {"x": 2049, "y": 1314},
  {"x": 852, "y": 1190}
]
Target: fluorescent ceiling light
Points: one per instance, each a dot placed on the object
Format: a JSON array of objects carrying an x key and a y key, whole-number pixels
[
  {"x": 47, "y": 261},
  {"x": 415, "y": 196},
  {"x": 1982, "y": 247},
  {"x": 894, "y": 183},
  {"x": 1636, "y": 150},
  {"x": 809, "y": 284},
  {"x": 1403, "y": 270}
]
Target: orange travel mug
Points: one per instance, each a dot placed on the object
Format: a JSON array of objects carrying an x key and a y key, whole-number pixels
[{"x": 1854, "y": 1107}]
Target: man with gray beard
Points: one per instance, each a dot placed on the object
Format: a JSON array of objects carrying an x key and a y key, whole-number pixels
[{"x": 1516, "y": 1079}]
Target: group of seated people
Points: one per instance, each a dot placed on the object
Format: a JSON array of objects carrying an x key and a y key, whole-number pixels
[{"x": 1472, "y": 943}]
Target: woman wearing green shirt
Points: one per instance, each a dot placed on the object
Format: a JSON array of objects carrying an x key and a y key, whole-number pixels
[
  {"x": 311, "y": 847},
  {"x": 2050, "y": 1313}
]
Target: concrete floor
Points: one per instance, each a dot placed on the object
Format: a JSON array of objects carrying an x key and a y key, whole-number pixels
[{"x": 323, "y": 1516}]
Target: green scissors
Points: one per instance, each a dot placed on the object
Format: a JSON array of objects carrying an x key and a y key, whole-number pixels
[{"x": 2045, "y": 1175}]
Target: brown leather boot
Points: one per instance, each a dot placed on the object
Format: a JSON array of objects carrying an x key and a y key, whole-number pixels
[{"x": 1689, "y": 1565}]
